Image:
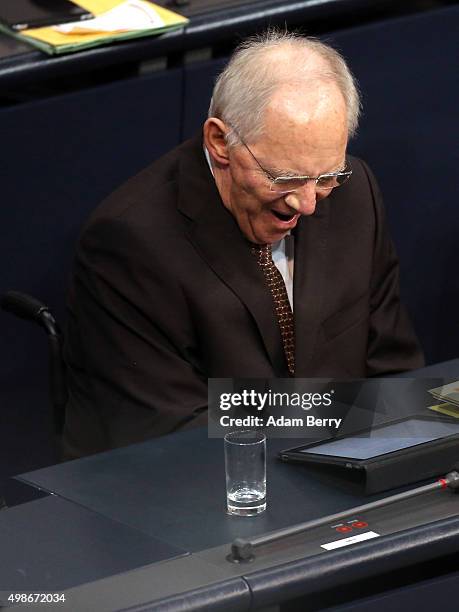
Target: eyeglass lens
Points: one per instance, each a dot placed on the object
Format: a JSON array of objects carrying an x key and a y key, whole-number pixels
[{"x": 282, "y": 184}]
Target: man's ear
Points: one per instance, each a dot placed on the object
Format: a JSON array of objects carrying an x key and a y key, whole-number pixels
[{"x": 215, "y": 141}]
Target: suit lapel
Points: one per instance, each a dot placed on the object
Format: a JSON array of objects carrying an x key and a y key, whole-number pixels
[
  {"x": 308, "y": 286},
  {"x": 218, "y": 239}
]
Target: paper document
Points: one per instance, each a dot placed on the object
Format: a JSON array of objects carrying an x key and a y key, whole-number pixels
[
  {"x": 114, "y": 21},
  {"x": 447, "y": 393},
  {"x": 128, "y": 16}
]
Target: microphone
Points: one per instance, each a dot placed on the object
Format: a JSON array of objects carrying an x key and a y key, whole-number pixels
[
  {"x": 451, "y": 480},
  {"x": 22, "y": 305},
  {"x": 242, "y": 550},
  {"x": 29, "y": 308}
]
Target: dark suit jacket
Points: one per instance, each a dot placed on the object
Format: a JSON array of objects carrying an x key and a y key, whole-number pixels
[{"x": 166, "y": 294}]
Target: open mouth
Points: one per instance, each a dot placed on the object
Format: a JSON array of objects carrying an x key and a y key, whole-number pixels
[{"x": 283, "y": 217}]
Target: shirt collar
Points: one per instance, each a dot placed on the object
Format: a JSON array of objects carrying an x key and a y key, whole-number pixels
[{"x": 206, "y": 153}]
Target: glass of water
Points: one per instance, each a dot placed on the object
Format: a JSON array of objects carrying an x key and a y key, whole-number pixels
[{"x": 245, "y": 465}]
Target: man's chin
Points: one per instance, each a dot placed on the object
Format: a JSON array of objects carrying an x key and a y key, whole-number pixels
[
  {"x": 270, "y": 237},
  {"x": 274, "y": 234}
]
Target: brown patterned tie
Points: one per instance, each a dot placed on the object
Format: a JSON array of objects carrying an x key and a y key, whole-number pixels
[{"x": 283, "y": 310}]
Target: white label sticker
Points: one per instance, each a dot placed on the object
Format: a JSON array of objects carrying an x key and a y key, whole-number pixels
[{"x": 368, "y": 535}]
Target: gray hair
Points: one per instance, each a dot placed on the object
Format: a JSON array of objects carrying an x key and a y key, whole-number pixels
[{"x": 244, "y": 88}]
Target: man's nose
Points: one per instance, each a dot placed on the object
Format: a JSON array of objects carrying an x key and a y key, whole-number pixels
[{"x": 304, "y": 199}]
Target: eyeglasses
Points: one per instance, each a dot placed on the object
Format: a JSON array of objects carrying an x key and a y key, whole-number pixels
[{"x": 288, "y": 184}]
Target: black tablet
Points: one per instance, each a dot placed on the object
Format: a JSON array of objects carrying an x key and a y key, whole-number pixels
[
  {"x": 409, "y": 435},
  {"x": 22, "y": 14}
]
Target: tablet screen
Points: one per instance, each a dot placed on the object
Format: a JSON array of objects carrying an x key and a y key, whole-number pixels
[{"x": 386, "y": 439}]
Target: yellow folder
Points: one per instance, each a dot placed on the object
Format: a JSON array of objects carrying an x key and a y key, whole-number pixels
[{"x": 52, "y": 42}]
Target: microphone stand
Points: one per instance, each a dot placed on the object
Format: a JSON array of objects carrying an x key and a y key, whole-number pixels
[{"x": 242, "y": 550}]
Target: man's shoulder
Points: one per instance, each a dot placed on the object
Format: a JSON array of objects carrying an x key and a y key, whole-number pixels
[
  {"x": 152, "y": 186},
  {"x": 148, "y": 200},
  {"x": 360, "y": 169},
  {"x": 362, "y": 189}
]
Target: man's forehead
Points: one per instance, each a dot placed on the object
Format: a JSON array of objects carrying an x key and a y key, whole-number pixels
[
  {"x": 302, "y": 152},
  {"x": 305, "y": 102},
  {"x": 295, "y": 131}
]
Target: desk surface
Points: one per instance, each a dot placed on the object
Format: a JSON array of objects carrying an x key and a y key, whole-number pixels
[
  {"x": 95, "y": 546},
  {"x": 171, "y": 490},
  {"x": 211, "y": 22}
]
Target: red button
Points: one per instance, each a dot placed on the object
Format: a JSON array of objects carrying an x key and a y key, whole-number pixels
[
  {"x": 344, "y": 529},
  {"x": 360, "y": 524}
]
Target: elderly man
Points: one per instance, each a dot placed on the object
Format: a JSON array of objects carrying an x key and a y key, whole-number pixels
[{"x": 256, "y": 250}]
